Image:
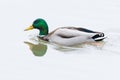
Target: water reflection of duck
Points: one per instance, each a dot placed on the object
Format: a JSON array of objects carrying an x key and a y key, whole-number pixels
[
  {"x": 37, "y": 49},
  {"x": 66, "y": 36}
]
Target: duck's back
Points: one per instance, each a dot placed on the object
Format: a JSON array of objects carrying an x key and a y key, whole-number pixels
[{"x": 71, "y": 36}]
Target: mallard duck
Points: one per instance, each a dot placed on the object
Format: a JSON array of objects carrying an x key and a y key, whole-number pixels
[{"x": 66, "y": 36}]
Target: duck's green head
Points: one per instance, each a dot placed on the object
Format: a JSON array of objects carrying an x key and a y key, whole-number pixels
[{"x": 39, "y": 24}]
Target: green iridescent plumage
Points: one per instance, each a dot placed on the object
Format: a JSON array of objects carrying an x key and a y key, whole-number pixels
[{"x": 41, "y": 25}]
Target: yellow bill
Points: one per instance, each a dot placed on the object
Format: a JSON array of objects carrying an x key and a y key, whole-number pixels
[{"x": 29, "y": 28}]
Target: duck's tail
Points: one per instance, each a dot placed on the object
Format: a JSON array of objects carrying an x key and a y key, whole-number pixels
[{"x": 99, "y": 37}]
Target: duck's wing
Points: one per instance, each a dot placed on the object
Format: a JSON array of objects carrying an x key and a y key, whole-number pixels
[
  {"x": 97, "y": 37},
  {"x": 72, "y": 36},
  {"x": 72, "y": 32},
  {"x": 85, "y": 30},
  {"x": 68, "y": 32}
]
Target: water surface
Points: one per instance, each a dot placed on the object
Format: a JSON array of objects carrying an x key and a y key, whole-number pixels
[{"x": 24, "y": 57}]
